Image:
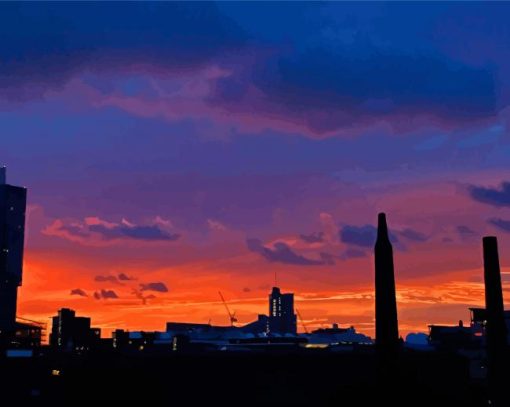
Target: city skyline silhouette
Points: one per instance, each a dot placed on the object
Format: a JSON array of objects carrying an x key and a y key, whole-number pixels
[{"x": 311, "y": 184}]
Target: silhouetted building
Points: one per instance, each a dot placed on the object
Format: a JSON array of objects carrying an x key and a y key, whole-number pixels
[
  {"x": 453, "y": 337},
  {"x": 27, "y": 335},
  {"x": 70, "y": 332},
  {"x": 386, "y": 323},
  {"x": 259, "y": 326},
  {"x": 282, "y": 319},
  {"x": 479, "y": 322},
  {"x": 136, "y": 340},
  {"x": 334, "y": 330},
  {"x": 13, "y": 202}
]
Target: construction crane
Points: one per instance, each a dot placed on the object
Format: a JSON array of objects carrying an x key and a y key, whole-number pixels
[
  {"x": 232, "y": 316},
  {"x": 302, "y": 321}
]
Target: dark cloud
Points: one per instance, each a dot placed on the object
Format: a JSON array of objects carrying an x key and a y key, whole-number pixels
[
  {"x": 148, "y": 233},
  {"x": 124, "y": 277},
  {"x": 105, "y": 295},
  {"x": 363, "y": 83},
  {"x": 317, "y": 237},
  {"x": 327, "y": 258},
  {"x": 501, "y": 224},
  {"x": 414, "y": 235},
  {"x": 49, "y": 43},
  {"x": 281, "y": 253},
  {"x": 140, "y": 295},
  {"x": 465, "y": 231},
  {"x": 158, "y": 287},
  {"x": 363, "y": 236},
  {"x": 353, "y": 254},
  {"x": 106, "y": 279},
  {"x": 246, "y": 290},
  {"x": 492, "y": 196},
  {"x": 79, "y": 291}
]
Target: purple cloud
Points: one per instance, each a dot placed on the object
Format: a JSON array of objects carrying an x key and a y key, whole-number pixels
[
  {"x": 50, "y": 44},
  {"x": 124, "y": 277},
  {"x": 282, "y": 253},
  {"x": 105, "y": 295},
  {"x": 148, "y": 233},
  {"x": 93, "y": 228},
  {"x": 106, "y": 279},
  {"x": 79, "y": 291},
  {"x": 413, "y": 235},
  {"x": 501, "y": 224},
  {"x": 364, "y": 236},
  {"x": 352, "y": 253},
  {"x": 465, "y": 231},
  {"x": 492, "y": 196},
  {"x": 317, "y": 237},
  {"x": 158, "y": 287}
]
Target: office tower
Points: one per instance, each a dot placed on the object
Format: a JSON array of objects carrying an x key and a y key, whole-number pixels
[
  {"x": 282, "y": 319},
  {"x": 386, "y": 323},
  {"x": 13, "y": 202},
  {"x": 70, "y": 332},
  {"x": 496, "y": 330}
]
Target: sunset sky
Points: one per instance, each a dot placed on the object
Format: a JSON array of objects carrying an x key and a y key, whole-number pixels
[{"x": 174, "y": 150}]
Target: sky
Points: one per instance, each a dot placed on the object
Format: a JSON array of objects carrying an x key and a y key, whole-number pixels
[{"x": 174, "y": 150}]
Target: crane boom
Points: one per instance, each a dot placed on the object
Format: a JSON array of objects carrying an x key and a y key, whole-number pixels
[
  {"x": 231, "y": 316},
  {"x": 302, "y": 321}
]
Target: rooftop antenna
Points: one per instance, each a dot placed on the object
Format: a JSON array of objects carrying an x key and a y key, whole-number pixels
[{"x": 275, "y": 280}]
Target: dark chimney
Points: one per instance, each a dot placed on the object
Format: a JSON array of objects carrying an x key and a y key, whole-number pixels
[
  {"x": 386, "y": 323},
  {"x": 495, "y": 328}
]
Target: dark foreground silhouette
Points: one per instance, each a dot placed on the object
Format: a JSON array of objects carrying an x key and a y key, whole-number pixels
[{"x": 236, "y": 379}]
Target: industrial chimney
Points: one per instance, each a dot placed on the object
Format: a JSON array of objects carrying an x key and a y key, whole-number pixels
[
  {"x": 495, "y": 328},
  {"x": 386, "y": 323}
]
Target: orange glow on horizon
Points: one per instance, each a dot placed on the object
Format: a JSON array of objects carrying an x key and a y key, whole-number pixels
[{"x": 193, "y": 296}]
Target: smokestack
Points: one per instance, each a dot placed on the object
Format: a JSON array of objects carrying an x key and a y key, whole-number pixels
[
  {"x": 495, "y": 328},
  {"x": 3, "y": 175},
  {"x": 386, "y": 323}
]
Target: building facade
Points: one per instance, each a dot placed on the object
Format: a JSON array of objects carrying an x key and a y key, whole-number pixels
[
  {"x": 282, "y": 319},
  {"x": 71, "y": 333},
  {"x": 13, "y": 202}
]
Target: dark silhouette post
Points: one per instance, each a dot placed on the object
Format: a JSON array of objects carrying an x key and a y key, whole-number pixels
[
  {"x": 386, "y": 323},
  {"x": 496, "y": 331}
]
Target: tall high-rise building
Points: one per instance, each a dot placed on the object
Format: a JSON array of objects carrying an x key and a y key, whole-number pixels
[
  {"x": 386, "y": 323},
  {"x": 282, "y": 319},
  {"x": 13, "y": 202}
]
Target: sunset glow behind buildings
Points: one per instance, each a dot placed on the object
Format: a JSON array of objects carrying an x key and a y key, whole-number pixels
[{"x": 210, "y": 151}]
